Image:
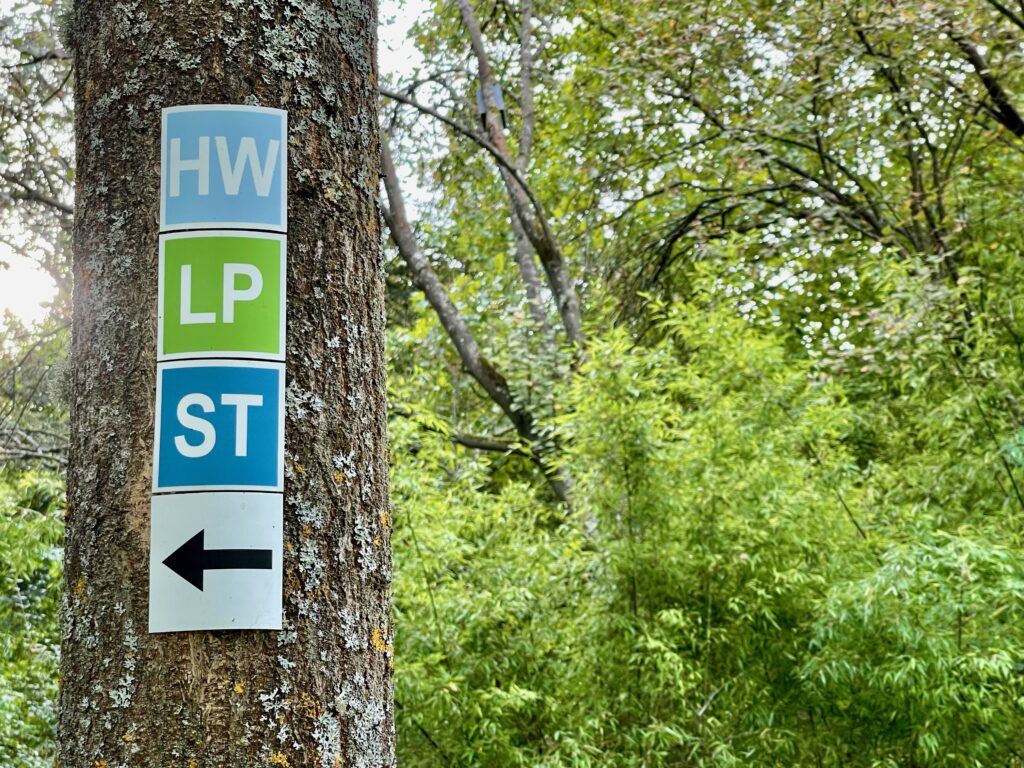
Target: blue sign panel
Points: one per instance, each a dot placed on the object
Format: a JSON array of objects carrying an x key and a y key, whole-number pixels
[
  {"x": 223, "y": 166},
  {"x": 220, "y": 426}
]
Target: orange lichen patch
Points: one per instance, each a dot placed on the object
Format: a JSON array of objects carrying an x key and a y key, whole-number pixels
[
  {"x": 193, "y": 763},
  {"x": 79, "y": 588},
  {"x": 377, "y": 541},
  {"x": 377, "y": 640},
  {"x": 239, "y": 688},
  {"x": 128, "y": 737},
  {"x": 337, "y": 761},
  {"x": 338, "y": 477},
  {"x": 299, "y": 468},
  {"x": 308, "y": 707},
  {"x": 99, "y": 764},
  {"x": 278, "y": 759},
  {"x": 307, "y": 530},
  {"x": 385, "y": 521}
]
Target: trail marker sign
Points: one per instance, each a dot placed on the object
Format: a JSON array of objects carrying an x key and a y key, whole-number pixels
[
  {"x": 216, "y": 534},
  {"x": 221, "y": 295},
  {"x": 219, "y": 426},
  {"x": 215, "y": 561},
  {"x": 223, "y": 165}
]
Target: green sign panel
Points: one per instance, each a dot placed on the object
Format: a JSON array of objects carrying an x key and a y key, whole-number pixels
[{"x": 221, "y": 295}]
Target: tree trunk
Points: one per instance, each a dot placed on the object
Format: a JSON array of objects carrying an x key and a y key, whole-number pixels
[{"x": 317, "y": 693}]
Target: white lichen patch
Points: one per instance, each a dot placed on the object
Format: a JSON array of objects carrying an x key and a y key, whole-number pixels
[
  {"x": 276, "y": 709},
  {"x": 327, "y": 735},
  {"x": 350, "y": 632},
  {"x": 300, "y": 403},
  {"x": 367, "y": 550},
  {"x": 309, "y": 514},
  {"x": 311, "y": 566},
  {"x": 346, "y": 464},
  {"x": 121, "y": 695},
  {"x": 288, "y": 635},
  {"x": 365, "y": 713}
]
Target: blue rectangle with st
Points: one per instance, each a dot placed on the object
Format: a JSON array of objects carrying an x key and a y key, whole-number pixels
[
  {"x": 220, "y": 425},
  {"x": 224, "y": 166}
]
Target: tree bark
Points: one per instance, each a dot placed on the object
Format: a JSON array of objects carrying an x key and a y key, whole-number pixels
[{"x": 317, "y": 693}]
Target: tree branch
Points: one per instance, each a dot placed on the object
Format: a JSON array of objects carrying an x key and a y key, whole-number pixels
[
  {"x": 473, "y": 360},
  {"x": 551, "y": 257},
  {"x": 527, "y": 120},
  {"x": 1005, "y": 112},
  {"x": 469, "y": 133},
  {"x": 1008, "y": 13},
  {"x": 467, "y": 440},
  {"x": 30, "y": 193},
  {"x": 537, "y": 228}
]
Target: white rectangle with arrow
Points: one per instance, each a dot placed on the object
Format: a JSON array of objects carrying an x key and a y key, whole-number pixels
[{"x": 215, "y": 561}]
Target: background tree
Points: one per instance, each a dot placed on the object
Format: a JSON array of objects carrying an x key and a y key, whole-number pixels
[{"x": 36, "y": 190}]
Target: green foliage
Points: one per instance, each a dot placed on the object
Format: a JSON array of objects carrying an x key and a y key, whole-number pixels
[
  {"x": 31, "y": 533},
  {"x": 796, "y": 433},
  {"x": 750, "y": 575},
  {"x": 935, "y": 632}
]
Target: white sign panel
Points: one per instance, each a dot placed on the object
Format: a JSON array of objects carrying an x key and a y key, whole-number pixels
[{"x": 215, "y": 561}]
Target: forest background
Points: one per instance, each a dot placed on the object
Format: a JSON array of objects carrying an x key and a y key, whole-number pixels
[{"x": 706, "y": 348}]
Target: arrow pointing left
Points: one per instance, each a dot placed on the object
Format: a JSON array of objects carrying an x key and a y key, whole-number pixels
[{"x": 192, "y": 559}]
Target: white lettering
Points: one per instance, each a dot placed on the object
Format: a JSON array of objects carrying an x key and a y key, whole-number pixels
[
  {"x": 262, "y": 175},
  {"x": 232, "y": 295},
  {"x": 241, "y": 404},
  {"x": 196, "y": 424},
  {"x": 200, "y": 165},
  {"x": 188, "y": 317}
]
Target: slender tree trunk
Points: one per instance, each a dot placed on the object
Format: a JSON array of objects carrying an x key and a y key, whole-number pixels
[{"x": 317, "y": 693}]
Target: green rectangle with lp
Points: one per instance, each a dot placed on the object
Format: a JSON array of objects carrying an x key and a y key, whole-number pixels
[{"x": 221, "y": 294}]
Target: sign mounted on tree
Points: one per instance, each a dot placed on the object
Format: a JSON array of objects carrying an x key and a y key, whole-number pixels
[
  {"x": 221, "y": 295},
  {"x": 218, "y": 455},
  {"x": 223, "y": 165}
]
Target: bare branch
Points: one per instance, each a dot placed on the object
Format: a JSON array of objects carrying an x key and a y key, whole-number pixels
[
  {"x": 544, "y": 243},
  {"x": 527, "y": 112},
  {"x": 48, "y": 56},
  {"x": 1008, "y": 13},
  {"x": 537, "y": 228},
  {"x": 473, "y": 360},
  {"x": 524, "y": 251},
  {"x": 502, "y": 160},
  {"x": 32, "y": 194},
  {"x": 476, "y": 442}
]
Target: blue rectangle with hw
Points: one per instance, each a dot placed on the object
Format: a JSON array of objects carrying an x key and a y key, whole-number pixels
[{"x": 224, "y": 165}]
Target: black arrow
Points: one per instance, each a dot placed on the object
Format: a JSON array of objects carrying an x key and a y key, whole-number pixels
[{"x": 191, "y": 560}]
